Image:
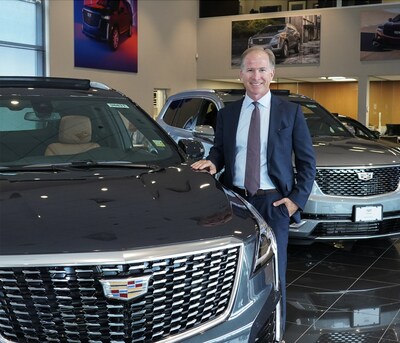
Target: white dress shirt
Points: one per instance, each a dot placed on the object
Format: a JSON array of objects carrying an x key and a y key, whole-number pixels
[{"x": 241, "y": 141}]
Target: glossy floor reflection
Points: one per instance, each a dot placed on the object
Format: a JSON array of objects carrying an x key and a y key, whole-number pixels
[{"x": 347, "y": 295}]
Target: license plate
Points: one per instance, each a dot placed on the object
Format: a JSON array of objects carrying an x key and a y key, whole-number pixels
[
  {"x": 370, "y": 213},
  {"x": 366, "y": 317}
]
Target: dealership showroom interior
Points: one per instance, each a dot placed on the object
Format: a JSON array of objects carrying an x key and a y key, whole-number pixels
[{"x": 108, "y": 233}]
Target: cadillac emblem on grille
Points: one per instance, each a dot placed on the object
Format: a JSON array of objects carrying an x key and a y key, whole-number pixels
[
  {"x": 125, "y": 289},
  {"x": 364, "y": 176}
]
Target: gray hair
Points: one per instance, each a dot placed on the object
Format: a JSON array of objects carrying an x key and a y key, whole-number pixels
[{"x": 268, "y": 52}]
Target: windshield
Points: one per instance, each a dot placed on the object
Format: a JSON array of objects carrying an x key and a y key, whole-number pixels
[
  {"x": 108, "y": 3},
  {"x": 322, "y": 123},
  {"x": 273, "y": 29},
  {"x": 60, "y": 129}
]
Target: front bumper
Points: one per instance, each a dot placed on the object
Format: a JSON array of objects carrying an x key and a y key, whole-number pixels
[
  {"x": 248, "y": 301},
  {"x": 331, "y": 218}
]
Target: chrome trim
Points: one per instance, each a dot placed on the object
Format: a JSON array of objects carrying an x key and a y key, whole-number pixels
[
  {"x": 342, "y": 238},
  {"x": 120, "y": 257},
  {"x": 360, "y": 167}
]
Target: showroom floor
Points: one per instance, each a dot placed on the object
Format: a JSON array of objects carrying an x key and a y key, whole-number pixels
[{"x": 346, "y": 295}]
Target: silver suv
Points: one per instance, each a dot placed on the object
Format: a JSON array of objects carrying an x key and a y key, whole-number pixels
[
  {"x": 356, "y": 194},
  {"x": 281, "y": 39}
]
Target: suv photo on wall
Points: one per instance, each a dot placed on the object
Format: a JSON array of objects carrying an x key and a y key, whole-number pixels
[
  {"x": 106, "y": 34},
  {"x": 294, "y": 40}
]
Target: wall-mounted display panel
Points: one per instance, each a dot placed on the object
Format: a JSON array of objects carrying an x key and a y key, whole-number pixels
[
  {"x": 294, "y": 40},
  {"x": 105, "y": 34},
  {"x": 380, "y": 34}
]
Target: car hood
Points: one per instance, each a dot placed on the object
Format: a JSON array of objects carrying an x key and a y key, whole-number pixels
[
  {"x": 115, "y": 210},
  {"x": 337, "y": 151},
  {"x": 265, "y": 35}
]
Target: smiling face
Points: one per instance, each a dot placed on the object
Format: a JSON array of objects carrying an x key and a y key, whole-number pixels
[{"x": 256, "y": 73}]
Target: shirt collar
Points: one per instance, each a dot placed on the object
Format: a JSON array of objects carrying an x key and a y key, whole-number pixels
[{"x": 265, "y": 101}]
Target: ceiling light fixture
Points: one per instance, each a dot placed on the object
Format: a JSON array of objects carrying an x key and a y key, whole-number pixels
[{"x": 337, "y": 78}]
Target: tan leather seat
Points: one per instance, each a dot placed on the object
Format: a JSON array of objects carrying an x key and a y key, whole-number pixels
[{"x": 74, "y": 137}]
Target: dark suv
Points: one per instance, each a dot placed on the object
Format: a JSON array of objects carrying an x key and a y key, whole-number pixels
[
  {"x": 356, "y": 194},
  {"x": 108, "y": 235},
  {"x": 107, "y": 20},
  {"x": 388, "y": 34}
]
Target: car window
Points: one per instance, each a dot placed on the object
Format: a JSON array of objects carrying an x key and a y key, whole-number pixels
[
  {"x": 208, "y": 114},
  {"x": 81, "y": 128},
  {"x": 322, "y": 123},
  {"x": 183, "y": 113},
  {"x": 16, "y": 120}
]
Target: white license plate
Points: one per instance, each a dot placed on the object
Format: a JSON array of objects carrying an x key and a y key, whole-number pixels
[
  {"x": 370, "y": 213},
  {"x": 366, "y": 317}
]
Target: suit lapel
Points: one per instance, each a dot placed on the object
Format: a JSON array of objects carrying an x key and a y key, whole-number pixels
[{"x": 274, "y": 124}]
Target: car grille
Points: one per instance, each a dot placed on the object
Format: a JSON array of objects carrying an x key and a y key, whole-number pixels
[
  {"x": 261, "y": 41},
  {"x": 91, "y": 19},
  {"x": 359, "y": 337},
  {"x": 67, "y": 304},
  {"x": 348, "y": 182},
  {"x": 386, "y": 226}
]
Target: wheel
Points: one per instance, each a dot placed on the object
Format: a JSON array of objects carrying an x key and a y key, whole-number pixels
[
  {"x": 285, "y": 50},
  {"x": 114, "y": 38},
  {"x": 297, "y": 48}
]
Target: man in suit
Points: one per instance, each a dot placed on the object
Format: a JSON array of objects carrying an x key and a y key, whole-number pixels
[{"x": 283, "y": 139}]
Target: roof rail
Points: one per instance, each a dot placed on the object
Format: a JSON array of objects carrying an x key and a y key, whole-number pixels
[
  {"x": 44, "y": 82},
  {"x": 280, "y": 91}
]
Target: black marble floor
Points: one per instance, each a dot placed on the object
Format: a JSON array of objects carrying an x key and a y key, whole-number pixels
[{"x": 344, "y": 295}]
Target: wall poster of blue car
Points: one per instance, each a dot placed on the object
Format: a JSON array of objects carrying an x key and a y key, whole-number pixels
[
  {"x": 293, "y": 40},
  {"x": 105, "y": 34},
  {"x": 380, "y": 34}
]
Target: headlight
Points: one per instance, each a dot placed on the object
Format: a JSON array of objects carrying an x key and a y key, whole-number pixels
[
  {"x": 106, "y": 17},
  {"x": 275, "y": 39},
  {"x": 266, "y": 245}
]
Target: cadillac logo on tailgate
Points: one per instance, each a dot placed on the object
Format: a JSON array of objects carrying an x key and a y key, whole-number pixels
[{"x": 125, "y": 289}]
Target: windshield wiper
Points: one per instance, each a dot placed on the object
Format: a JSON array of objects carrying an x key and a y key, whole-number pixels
[{"x": 74, "y": 165}]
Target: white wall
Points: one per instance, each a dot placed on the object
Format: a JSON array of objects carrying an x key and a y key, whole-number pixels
[{"x": 166, "y": 43}]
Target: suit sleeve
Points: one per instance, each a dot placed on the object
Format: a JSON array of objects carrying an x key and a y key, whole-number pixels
[{"x": 216, "y": 154}]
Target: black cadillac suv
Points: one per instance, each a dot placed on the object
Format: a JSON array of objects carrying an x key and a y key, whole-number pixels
[
  {"x": 108, "y": 235},
  {"x": 107, "y": 20}
]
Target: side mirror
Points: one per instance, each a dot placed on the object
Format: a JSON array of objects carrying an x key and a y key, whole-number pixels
[
  {"x": 204, "y": 130},
  {"x": 192, "y": 148},
  {"x": 376, "y": 134}
]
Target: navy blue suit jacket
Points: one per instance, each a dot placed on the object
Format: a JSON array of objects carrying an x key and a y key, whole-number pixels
[{"x": 289, "y": 144}]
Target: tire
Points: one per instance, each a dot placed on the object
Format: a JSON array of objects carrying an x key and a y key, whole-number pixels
[
  {"x": 297, "y": 48},
  {"x": 285, "y": 50},
  {"x": 114, "y": 38}
]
